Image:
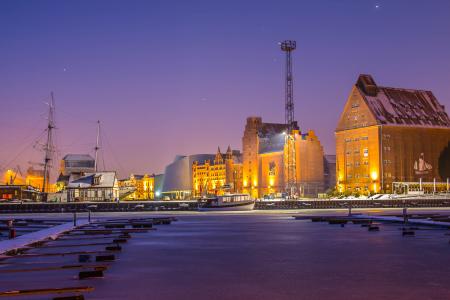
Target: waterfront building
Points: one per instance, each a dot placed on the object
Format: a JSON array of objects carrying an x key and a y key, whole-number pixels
[
  {"x": 177, "y": 182},
  {"x": 329, "y": 171},
  {"x": 142, "y": 187},
  {"x": 74, "y": 164},
  {"x": 77, "y": 163},
  {"x": 33, "y": 178},
  {"x": 387, "y": 135},
  {"x": 159, "y": 180},
  {"x": 97, "y": 186},
  {"x": 24, "y": 192},
  {"x": 219, "y": 176},
  {"x": 264, "y": 160}
]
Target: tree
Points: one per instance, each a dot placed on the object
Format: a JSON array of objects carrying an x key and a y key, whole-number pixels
[{"x": 444, "y": 163}]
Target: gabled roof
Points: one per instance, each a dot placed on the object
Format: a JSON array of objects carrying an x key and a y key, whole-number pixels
[
  {"x": 107, "y": 179},
  {"x": 405, "y": 107},
  {"x": 63, "y": 178}
]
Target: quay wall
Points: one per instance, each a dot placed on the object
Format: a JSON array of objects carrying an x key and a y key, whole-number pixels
[{"x": 11, "y": 208}]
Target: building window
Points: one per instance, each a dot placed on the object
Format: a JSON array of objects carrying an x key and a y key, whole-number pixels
[
  {"x": 272, "y": 168},
  {"x": 366, "y": 152}
]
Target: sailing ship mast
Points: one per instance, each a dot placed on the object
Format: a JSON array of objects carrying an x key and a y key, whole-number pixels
[
  {"x": 97, "y": 145},
  {"x": 48, "y": 148}
]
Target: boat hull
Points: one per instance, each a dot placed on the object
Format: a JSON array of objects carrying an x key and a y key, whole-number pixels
[{"x": 235, "y": 207}]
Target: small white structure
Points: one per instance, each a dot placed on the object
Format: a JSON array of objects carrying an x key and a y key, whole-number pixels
[{"x": 98, "y": 186}]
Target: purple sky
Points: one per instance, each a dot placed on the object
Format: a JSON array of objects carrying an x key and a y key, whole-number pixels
[{"x": 180, "y": 77}]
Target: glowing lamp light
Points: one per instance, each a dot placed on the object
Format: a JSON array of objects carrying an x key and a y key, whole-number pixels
[
  {"x": 245, "y": 183},
  {"x": 255, "y": 183},
  {"x": 374, "y": 175},
  {"x": 158, "y": 193}
]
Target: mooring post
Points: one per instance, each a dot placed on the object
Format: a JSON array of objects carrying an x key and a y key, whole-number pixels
[
  {"x": 11, "y": 230},
  {"x": 89, "y": 216},
  {"x": 405, "y": 215},
  {"x": 74, "y": 218}
]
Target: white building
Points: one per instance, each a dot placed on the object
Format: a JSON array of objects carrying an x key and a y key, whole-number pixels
[{"x": 99, "y": 186}]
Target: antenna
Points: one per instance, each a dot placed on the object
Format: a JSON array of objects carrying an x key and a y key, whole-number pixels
[
  {"x": 49, "y": 143},
  {"x": 97, "y": 147},
  {"x": 289, "y": 46}
]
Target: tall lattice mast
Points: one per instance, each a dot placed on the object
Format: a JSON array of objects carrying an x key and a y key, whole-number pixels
[
  {"x": 49, "y": 147},
  {"x": 291, "y": 182}
]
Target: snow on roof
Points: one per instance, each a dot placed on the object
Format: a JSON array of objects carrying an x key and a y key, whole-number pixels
[
  {"x": 106, "y": 179},
  {"x": 406, "y": 107}
]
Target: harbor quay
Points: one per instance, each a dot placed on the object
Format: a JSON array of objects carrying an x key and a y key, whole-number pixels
[{"x": 193, "y": 205}]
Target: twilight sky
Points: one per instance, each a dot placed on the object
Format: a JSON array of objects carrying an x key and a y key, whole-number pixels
[{"x": 180, "y": 77}]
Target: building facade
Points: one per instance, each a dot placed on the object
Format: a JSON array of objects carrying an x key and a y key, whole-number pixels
[
  {"x": 177, "y": 180},
  {"x": 142, "y": 187},
  {"x": 387, "y": 135},
  {"x": 329, "y": 171},
  {"x": 74, "y": 164},
  {"x": 77, "y": 163},
  {"x": 223, "y": 174},
  {"x": 264, "y": 148},
  {"x": 98, "y": 186},
  {"x": 33, "y": 177}
]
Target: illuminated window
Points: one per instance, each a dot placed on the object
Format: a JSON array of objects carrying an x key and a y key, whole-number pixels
[{"x": 366, "y": 152}]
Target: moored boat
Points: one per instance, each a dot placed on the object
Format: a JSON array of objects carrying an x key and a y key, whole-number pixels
[{"x": 229, "y": 202}]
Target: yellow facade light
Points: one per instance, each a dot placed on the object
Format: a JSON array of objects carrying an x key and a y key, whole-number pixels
[{"x": 374, "y": 175}]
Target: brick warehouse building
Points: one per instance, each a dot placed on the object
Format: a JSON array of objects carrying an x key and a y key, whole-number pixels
[
  {"x": 386, "y": 135},
  {"x": 264, "y": 157}
]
